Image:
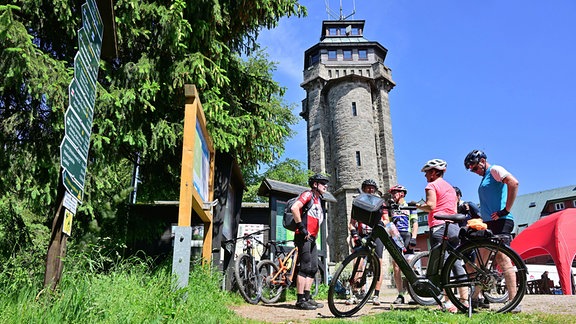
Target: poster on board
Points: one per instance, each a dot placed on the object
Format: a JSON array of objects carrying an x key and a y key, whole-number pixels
[{"x": 201, "y": 164}]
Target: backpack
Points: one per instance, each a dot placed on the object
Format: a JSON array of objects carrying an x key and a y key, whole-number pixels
[{"x": 288, "y": 220}]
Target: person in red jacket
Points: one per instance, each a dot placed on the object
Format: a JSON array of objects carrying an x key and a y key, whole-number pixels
[{"x": 305, "y": 235}]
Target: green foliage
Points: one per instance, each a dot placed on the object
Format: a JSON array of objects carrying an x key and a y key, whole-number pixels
[
  {"x": 289, "y": 170},
  {"x": 139, "y": 109},
  {"x": 101, "y": 288}
]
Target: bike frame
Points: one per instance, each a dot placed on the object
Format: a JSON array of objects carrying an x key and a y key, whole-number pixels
[
  {"x": 423, "y": 286},
  {"x": 287, "y": 274}
]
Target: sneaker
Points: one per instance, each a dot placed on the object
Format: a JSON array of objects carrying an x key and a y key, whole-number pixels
[
  {"x": 375, "y": 301},
  {"x": 516, "y": 310},
  {"x": 315, "y": 303},
  {"x": 305, "y": 305},
  {"x": 351, "y": 301},
  {"x": 480, "y": 304},
  {"x": 399, "y": 300}
]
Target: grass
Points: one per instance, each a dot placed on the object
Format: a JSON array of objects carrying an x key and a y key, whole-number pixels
[{"x": 136, "y": 292}]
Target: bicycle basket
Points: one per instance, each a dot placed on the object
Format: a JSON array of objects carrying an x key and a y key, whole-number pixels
[{"x": 367, "y": 208}]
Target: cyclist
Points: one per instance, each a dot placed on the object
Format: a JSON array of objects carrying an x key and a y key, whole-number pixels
[
  {"x": 497, "y": 192},
  {"x": 305, "y": 239},
  {"x": 467, "y": 208},
  {"x": 441, "y": 200},
  {"x": 359, "y": 230},
  {"x": 407, "y": 224}
]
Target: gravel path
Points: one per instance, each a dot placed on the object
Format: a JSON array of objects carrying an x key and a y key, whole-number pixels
[{"x": 287, "y": 313}]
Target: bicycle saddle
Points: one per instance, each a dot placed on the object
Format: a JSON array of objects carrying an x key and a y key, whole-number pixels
[{"x": 453, "y": 218}]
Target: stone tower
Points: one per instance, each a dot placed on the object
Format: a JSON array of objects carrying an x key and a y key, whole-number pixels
[{"x": 348, "y": 119}]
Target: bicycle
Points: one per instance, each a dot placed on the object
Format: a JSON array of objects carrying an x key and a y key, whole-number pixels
[
  {"x": 358, "y": 272},
  {"x": 278, "y": 272},
  {"x": 246, "y": 272},
  {"x": 419, "y": 262}
]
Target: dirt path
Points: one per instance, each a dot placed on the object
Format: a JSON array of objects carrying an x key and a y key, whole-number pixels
[{"x": 287, "y": 313}]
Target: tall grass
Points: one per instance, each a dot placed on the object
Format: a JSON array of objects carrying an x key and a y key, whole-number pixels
[{"x": 103, "y": 289}]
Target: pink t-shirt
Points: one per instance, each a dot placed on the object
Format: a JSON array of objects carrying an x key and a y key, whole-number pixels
[{"x": 446, "y": 201}]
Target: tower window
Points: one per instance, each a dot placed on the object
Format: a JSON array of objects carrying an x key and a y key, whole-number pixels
[
  {"x": 330, "y": 73},
  {"x": 358, "y": 160},
  {"x": 347, "y": 54},
  {"x": 367, "y": 72},
  {"x": 332, "y": 55},
  {"x": 362, "y": 54},
  {"x": 332, "y": 31},
  {"x": 315, "y": 58},
  {"x": 354, "y": 112}
]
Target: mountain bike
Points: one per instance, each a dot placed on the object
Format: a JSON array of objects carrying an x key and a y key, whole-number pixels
[
  {"x": 246, "y": 268},
  {"x": 359, "y": 271},
  {"x": 280, "y": 272}
]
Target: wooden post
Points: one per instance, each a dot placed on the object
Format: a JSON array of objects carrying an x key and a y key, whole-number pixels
[
  {"x": 186, "y": 173},
  {"x": 57, "y": 245},
  {"x": 190, "y": 199}
]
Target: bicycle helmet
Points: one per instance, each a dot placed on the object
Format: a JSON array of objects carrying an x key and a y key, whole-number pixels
[
  {"x": 319, "y": 178},
  {"x": 458, "y": 191},
  {"x": 435, "y": 164},
  {"x": 398, "y": 187},
  {"x": 369, "y": 182},
  {"x": 473, "y": 157}
]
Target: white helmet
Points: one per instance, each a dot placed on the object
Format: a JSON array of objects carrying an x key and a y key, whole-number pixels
[{"x": 435, "y": 164}]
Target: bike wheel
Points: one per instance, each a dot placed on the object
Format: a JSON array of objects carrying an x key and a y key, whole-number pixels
[
  {"x": 272, "y": 281},
  {"x": 247, "y": 279},
  {"x": 485, "y": 273},
  {"x": 353, "y": 283},
  {"x": 419, "y": 263}
]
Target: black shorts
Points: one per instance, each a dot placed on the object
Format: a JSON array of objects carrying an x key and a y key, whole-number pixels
[{"x": 502, "y": 226}]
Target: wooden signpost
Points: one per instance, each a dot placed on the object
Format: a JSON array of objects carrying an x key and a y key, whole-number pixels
[{"x": 196, "y": 183}]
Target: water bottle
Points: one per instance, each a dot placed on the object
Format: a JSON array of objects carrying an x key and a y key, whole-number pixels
[{"x": 395, "y": 235}]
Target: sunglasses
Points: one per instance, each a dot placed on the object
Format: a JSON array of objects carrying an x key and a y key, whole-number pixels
[{"x": 475, "y": 167}]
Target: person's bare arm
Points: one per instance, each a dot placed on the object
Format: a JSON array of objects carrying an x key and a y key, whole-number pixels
[
  {"x": 296, "y": 211},
  {"x": 512, "y": 184},
  {"x": 430, "y": 203}
]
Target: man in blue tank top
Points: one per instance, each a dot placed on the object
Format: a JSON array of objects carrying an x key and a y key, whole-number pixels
[{"x": 497, "y": 192}]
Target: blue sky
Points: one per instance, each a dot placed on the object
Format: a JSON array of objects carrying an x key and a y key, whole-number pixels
[{"x": 494, "y": 75}]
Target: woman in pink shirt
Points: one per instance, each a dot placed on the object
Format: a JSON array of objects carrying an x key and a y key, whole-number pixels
[{"x": 441, "y": 199}]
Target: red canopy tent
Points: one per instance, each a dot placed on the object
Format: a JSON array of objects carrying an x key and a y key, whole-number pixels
[{"x": 554, "y": 234}]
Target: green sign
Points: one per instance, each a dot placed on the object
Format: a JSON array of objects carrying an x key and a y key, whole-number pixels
[
  {"x": 75, "y": 131},
  {"x": 81, "y": 74},
  {"x": 72, "y": 186},
  {"x": 93, "y": 23},
  {"x": 82, "y": 92},
  {"x": 73, "y": 160}
]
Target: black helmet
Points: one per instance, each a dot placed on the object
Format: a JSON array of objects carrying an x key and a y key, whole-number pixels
[
  {"x": 318, "y": 178},
  {"x": 473, "y": 158},
  {"x": 369, "y": 182},
  {"x": 458, "y": 191}
]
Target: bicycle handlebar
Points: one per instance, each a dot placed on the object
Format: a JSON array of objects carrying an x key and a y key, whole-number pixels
[
  {"x": 249, "y": 235},
  {"x": 392, "y": 205}
]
